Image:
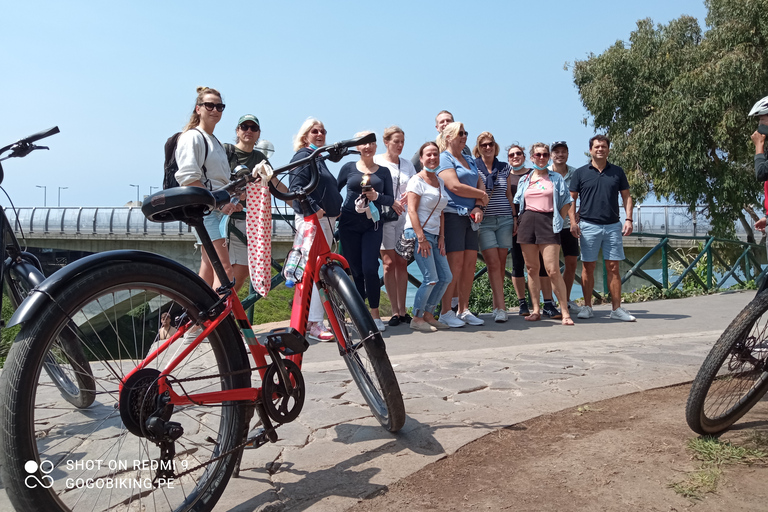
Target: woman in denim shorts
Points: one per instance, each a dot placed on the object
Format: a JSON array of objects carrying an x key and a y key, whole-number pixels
[
  {"x": 210, "y": 172},
  {"x": 495, "y": 234},
  {"x": 544, "y": 200}
]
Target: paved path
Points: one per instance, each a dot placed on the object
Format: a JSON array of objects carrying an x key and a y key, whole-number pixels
[{"x": 458, "y": 386}]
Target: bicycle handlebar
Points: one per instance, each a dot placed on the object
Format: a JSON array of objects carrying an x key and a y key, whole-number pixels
[
  {"x": 333, "y": 152},
  {"x": 23, "y": 147}
]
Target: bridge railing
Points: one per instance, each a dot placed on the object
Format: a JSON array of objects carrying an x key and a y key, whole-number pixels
[{"x": 126, "y": 220}]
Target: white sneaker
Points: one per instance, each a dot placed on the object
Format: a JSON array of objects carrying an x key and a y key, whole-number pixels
[
  {"x": 451, "y": 320},
  {"x": 622, "y": 314},
  {"x": 499, "y": 315},
  {"x": 471, "y": 319},
  {"x": 586, "y": 312},
  {"x": 381, "y": 326},
  {"x": 572, "y": 306}
]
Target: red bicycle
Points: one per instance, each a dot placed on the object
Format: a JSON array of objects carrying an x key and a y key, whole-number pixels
[{"x": 171, "y": 416}]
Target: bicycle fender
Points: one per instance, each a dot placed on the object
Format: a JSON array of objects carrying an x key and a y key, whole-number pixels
[{"x": 44, "y": 294}]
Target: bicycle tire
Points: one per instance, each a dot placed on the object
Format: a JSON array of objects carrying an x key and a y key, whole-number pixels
[
  {"x": 734, "y": 375},
  {"x": 66, "y": 364},
  {"x": 366, "y": 357},
  {"x": 113, "y": 309}
]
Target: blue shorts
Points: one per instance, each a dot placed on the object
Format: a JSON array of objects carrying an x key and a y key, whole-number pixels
[
  {"x": 495, "y": 232},
  {"x": 597, "y": 236},
  {"x": 212, "y": 223}
]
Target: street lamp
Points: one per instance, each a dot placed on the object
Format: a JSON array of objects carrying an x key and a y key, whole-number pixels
[
  {"x": 137, "y": 194},
  {"x": 60, "y": 189},
  {"x": 45, "y": 194}
]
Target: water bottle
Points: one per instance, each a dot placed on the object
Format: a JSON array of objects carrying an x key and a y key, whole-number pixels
[
  {"x": 309, "y": 237},
  {"x": 292, "y": 261}
]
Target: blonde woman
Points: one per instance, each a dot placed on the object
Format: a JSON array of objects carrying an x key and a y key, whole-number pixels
[
  {"x": 466, "y": 203},
  {"x": 544, "y": 201},
  {"x": 395, "y": 267},
  {"x": 325, "y": 201}
]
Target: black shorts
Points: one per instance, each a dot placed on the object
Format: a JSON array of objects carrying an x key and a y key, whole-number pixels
[
  {"x": 569, "y": 242},
  {"x": 459, "y": 235},
  {"x": 536, "y": 228}
]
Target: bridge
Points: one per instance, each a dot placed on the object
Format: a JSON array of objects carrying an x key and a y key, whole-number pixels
[{"x": 60, "y": 235}]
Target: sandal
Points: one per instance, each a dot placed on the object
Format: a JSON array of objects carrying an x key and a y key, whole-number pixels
[
  {"x": 533, "y": 317},
  {"x": 567, "y": 321}
]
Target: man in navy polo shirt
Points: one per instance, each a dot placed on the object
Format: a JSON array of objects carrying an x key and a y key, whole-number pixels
[{"x": 599, "y": 185}]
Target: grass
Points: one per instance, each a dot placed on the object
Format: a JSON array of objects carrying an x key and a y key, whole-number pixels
[{"x": 713, "y": 454}]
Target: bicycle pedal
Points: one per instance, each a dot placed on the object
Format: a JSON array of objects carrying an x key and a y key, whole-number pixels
[{"x": 285, "y": 340}]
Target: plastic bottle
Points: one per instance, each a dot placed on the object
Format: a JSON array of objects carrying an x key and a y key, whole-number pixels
[
  {"x": 309, "y": 237},
  {"x": 292, "y": 261}
]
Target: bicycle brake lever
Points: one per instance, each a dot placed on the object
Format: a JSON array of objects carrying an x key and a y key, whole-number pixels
[{"x": 336, "y": 154}]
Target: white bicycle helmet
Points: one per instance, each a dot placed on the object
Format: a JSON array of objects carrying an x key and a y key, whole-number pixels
[{"x": 760, "y": 108}]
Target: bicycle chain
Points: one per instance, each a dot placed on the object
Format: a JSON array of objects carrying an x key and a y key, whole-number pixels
[{"x": 236, "y": 448}]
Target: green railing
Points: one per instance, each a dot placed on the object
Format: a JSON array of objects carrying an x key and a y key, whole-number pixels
[{"x": 738, "y": 259}]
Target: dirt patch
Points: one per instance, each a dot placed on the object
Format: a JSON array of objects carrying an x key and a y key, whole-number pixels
[{"x": 619, "y": 454}]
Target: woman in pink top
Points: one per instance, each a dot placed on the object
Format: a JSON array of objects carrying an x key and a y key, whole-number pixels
[{"x": 544, "y": 200}]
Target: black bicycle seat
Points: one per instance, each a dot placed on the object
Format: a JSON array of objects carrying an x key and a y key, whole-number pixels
[{"x": 178, "y": 204}]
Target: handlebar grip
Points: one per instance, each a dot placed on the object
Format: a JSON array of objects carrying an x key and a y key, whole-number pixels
[
  {"x": 365, "y": 139},
  {"x": 41, "y": 135}
]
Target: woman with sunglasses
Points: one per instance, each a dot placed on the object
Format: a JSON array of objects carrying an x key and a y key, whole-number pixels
[
  {"x": 466, "y": 203},
  {"x": 325, "y": 200},
  {"x": 395, "y": 267},
  {"x": 426, "y": 199},
  {"x": 495, "y": 233},
  {"x": 369, "y": 187},
  {"x": 516, "y": 159},
  {"x": 211, "y": 171},
  {"x": 544, "y": 201}
]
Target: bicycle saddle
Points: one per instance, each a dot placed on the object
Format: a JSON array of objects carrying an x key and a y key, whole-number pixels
[{"x": 178, "y": 204}]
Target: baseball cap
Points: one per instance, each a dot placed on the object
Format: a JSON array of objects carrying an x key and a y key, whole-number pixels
[
  {"x": 558, "y": 144},
  {"x": 248, "y": 117}
]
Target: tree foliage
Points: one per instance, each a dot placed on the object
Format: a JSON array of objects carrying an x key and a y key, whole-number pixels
[{"x": 674, "y": 101}]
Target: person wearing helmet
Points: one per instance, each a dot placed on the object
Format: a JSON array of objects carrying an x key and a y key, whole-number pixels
[{"x": 760, "y": 110}]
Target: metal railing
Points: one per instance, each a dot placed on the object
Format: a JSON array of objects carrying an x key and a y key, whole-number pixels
[{"x": 110, "y": 220}]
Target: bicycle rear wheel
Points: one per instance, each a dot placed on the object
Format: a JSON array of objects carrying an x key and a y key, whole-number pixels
[
  {"x": 365, "y": 353},
  {"x": 734, "y": 376},
  {"x": 89, "y": 459},
  {"x": 66, "y": 364}
]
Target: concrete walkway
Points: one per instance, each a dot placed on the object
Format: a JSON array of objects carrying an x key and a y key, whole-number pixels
[{"x": 460, "y": 385}]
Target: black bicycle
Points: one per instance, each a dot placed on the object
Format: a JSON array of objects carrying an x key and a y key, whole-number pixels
[
  {"x": 734, "y": 376},
  {"x": 66, "y": 365}
]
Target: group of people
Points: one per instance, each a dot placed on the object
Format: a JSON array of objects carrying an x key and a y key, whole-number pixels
[{"x": 454, "y": 202}]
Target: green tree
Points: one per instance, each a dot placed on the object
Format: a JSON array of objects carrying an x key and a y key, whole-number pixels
[{"x": 674, "y": 102}]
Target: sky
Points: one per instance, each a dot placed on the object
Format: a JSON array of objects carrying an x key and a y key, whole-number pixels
[{"x": 118, "y": 78}]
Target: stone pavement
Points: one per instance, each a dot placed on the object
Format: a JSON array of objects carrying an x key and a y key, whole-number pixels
[{"x": 460, "y": 385}]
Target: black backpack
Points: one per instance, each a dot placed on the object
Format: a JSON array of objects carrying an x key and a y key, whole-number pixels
[{"x": 169, "y": 179}]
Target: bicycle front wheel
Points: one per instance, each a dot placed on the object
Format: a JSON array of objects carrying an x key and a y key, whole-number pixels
[
  {"x": 363, "y": 349},
  {"x": 734, "y": 376},
  {"x": 56, "y": 457},
  {"x": 65, "y": 363}
]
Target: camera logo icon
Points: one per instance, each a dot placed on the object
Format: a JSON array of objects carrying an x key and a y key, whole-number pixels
[{"x": 32, "y": 481}]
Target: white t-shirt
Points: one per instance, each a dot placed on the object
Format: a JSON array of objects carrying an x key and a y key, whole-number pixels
[
  {"x": 190, "y": 153},
  {"x": 429, "y": 197},
  {"x": 405, "y": 172}
]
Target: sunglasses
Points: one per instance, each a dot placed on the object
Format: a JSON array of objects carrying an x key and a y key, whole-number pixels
[
  {"x": 252, "y": 127},
  {"x": 210, "y": 106},
  {"x": 541, "y": 155},
  {"x": 463, "y": 133},
  {"x": 515, "y": 153},
  {"x": 315, "y": 131},
  {"x": 487, "y": 144}
]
